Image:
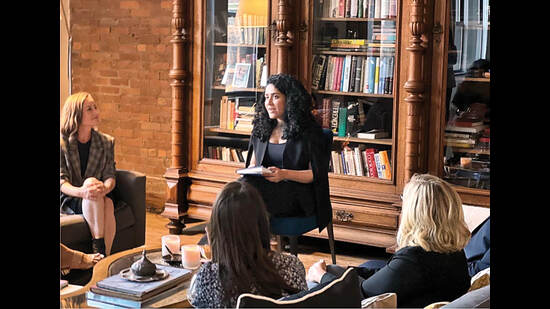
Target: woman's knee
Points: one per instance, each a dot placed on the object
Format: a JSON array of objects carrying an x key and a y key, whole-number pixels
[{"x": 89, "y": 181}]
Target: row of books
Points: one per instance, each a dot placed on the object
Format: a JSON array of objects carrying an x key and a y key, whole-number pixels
[
  {"x": 237, "y": 113},
  {"x": 118, "y": 292},
  {"x": 362, "y": 162},
  {"x": 246, "y": 29},
  {"x": 250, "y": 35},
  {"x": 344, "y": 118},
  {"x": 227, "y": 154},
  {"x": 363, "y": 74},
  {"x": 359, "y": 8},
  {"x": 362, "y": 44},
  {"x": 384, "y": 31}
]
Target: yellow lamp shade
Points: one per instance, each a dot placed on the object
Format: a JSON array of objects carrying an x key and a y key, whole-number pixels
[{"x": 252, "y": 13}]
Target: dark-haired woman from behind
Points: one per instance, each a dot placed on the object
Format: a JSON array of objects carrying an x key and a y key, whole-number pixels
[{"x": 242, "y": 261}]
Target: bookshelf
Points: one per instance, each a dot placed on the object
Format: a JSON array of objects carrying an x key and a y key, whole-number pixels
[
  {"x": 461, "y": 154},
  {"x": 411, "y": 104},
  {"x": 353, "y": 65},
  {"x": 237, "y": 57}
]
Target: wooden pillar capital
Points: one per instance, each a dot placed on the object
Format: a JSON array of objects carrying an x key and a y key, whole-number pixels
[{"x": 285, "y": 37}]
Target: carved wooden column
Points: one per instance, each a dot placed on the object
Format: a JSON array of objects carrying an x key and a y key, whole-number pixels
[
  {"x": 284, "y": 38},
  {"x": 415, "y": 87},
  {"x": 176, "y": 206}
]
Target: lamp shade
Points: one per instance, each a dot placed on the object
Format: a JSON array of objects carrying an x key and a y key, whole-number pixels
[{"x": 252, "y": 13}]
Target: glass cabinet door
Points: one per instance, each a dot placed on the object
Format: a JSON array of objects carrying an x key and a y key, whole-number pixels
[
  {"x": 352, "y": 74},
  {"x": 467, "y": 153},
  {"x": 236, "y": 71}
]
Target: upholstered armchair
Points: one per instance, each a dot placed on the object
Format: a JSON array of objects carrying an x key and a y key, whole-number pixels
[{"x": 129, "y": 216}]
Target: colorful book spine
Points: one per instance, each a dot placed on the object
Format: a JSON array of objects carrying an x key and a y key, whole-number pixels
[
  {"x": 342, "y": 121},
  {"x": 376, "y": 75},
  {"x": 343, "y": 159},
  {"x": 379, "y": 168},
  {"x": 372, "y": 73},
  {"x": 365, "y": 164},
  {"x": 334, "y": 117},
  {"x": 373, "y": 172},
  {"x": 385, "y": 160},
  {"x": 358, "y": 161}
]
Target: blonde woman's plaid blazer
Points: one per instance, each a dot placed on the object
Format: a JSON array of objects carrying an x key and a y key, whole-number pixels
[{"x": 101, "y": 159}]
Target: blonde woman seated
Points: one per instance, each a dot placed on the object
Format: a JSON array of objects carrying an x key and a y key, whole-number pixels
[
  {"x": 430, "y": 264},
  {"x": 87, "y": 169},
  {"x": 242, "y": 261}
]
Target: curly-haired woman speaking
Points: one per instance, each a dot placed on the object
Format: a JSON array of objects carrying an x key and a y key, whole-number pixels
[{"x": 287, "y": 140}]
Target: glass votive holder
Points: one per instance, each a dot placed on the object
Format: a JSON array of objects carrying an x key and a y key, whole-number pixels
[
  {"x": 171, "y": 248},
  {"x": 190, "y": 256}
]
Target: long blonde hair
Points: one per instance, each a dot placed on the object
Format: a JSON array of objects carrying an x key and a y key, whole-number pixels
[
  {"x": 432, "y": 216},
  {"x": 71, "y": 116}
]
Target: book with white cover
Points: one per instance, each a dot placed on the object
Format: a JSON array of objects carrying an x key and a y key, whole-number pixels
[
  {"x": 256, "y": 170},
  {"x": 373, "y": 134}
]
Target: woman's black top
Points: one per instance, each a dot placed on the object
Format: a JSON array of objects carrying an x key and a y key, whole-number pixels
[
  {"x": 290, "y": 198},
  {"x": 83, "y": 152},
  {"x": 274, "y": 155},
  {"x": 418, "y": 277}
]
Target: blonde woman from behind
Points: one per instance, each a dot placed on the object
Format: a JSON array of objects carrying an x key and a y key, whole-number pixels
[{"x": 429, "y": 265}]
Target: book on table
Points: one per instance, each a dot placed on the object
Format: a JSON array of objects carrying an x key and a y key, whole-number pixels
[
  {"x": 256, "y": 170},
  {"x": 116, "y": 285},
  {"x": 103, "y": 299}
]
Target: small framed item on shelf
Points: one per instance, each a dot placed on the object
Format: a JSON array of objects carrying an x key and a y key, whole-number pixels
[
  {"x": 240, "y": 77},
  {"x": 228, "y": 74}
]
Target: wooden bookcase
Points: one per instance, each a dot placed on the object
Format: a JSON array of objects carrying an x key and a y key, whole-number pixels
[{"x": 365, "y": 209}]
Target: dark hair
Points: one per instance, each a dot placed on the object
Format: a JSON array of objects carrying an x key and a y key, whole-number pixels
[
  {"x": 297, "y": 116},
  {"x": 240, "y": 241}
]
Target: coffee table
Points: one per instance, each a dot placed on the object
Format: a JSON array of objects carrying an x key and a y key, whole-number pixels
[{"x": 113, "y": 264}]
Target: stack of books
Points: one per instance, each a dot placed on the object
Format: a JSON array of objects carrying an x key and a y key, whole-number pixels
[
  {"x": 118, "y": 292},
  {"x": 464, "y": 132}
]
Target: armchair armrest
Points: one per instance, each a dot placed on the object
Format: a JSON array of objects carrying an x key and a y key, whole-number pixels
[{"x": 131, "y": 189}]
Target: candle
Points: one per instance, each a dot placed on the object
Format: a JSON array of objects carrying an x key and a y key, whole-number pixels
[
  {"x": 172, "y": 243},
  {"x": 190, "y": 256}
]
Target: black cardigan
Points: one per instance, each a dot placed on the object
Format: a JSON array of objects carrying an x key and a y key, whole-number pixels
[
  {"x": 312, "y": 198},
  {"x": 418, "y": 277}
]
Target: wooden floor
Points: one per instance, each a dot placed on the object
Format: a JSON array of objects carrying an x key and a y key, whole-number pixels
[{"x": 310, "y": 249}]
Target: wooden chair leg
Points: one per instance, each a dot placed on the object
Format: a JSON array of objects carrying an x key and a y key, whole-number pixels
[
  {"x": 331, "y": 241},
  {"x": 293, "y": 240}
]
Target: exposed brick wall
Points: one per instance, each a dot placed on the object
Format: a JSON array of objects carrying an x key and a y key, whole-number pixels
[{"x": 122, "y": 54}]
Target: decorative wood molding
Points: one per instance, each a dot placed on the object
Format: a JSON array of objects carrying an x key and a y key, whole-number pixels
[
  {"x": 415, "y": 87},
  {"x": 285, "y": 37},
  {"x": 176, "y": 206}
]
